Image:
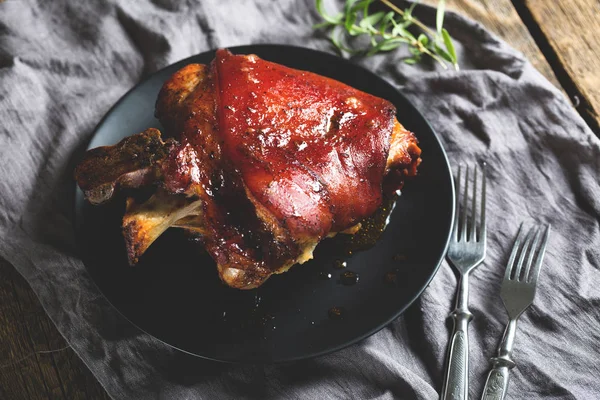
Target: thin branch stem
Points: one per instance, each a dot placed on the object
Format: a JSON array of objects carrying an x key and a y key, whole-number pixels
[
  {"x": 415, "y": 21},
  {"x": 435, "y": 57},
  {"x": 358, "y": 21}
]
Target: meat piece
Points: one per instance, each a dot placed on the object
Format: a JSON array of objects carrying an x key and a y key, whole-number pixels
[
  {"x": 131, "y": 163},
  {"x": 296, "y": 156},
  {"x": 268, "y": 162},
  {"x": 144, "y": 223},
  {"x": 403, "y": 158}
]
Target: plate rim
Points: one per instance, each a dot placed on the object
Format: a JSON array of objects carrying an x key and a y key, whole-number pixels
[{"x": 238, "y": 50}]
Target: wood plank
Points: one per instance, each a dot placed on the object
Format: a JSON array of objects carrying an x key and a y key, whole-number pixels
[
  {"x": 569, "y": 29},
  {"x": 28, "y": 381},
  {"x": 27, "y": 310},
  {"x": 13, "y": 344},
  {"x": 500, "y": 17},
  {"x": 26, "y": 329}
]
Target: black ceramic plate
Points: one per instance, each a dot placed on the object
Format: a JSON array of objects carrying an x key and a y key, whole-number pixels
[{"x": 175, "y": 294}]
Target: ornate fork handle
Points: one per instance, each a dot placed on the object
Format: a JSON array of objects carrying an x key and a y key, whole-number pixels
[
  {"x": 497, "y": 380},
  {"x": 456, "y": 382}
]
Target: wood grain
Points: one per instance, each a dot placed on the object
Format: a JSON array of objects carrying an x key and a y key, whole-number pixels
[
  {"x": 570, "y": 28},
  {"x": 500, "y": 17},
  {"x": 26, "y": 329}
]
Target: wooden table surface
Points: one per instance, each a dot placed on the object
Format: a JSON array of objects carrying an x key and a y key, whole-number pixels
[{"x": 551, "y": 33}]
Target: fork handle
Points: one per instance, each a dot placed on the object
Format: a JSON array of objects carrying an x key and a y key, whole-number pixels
[
  {"x": 456, "y": 382},
  {"x": 497, "y": 380}
]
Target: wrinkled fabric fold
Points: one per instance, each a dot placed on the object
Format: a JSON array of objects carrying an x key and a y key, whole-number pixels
[{"x": 64, "y": 64}]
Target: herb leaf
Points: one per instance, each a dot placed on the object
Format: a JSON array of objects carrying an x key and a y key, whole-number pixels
[
  {"x": 389, "y": 30},
  {"x": 371, "y": 20},
  {"x": 442, "y": 53},
  {"x": 328, "y": 19},
  {"x": 408, "y": 12},
  {"x": 387, "y": 45},
  {"x": 450, "y": 47},
  {"x": 439, "y": 16}
]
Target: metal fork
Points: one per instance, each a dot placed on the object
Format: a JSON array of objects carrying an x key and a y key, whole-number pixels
[
  {"x": 466, "y": 251},
  {"x": 518, "y": 291}
]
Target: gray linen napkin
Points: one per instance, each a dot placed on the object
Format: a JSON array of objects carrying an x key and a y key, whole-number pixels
[{"x": 64, "y": 63}]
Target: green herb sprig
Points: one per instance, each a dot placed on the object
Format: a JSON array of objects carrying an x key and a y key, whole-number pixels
[{"x": 389, "y": 30}]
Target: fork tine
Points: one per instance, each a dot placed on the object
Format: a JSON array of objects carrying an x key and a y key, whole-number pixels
[
  {"x": 456, "y": 208},
  {"x": 482, "y": 228},
  {"x": 535, "y": 272},
  {"x": 463, "y": 217},
  {"x": 513, "y": 253},
  {"x": 474, "y": 207},
  {"x": 532, "y": 251},
  {"x": 524, "y": 250}
]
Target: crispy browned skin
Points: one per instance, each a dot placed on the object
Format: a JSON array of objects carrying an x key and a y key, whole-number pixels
[
  {"x": 144, "y": 223},
  {"x": 267, "y": 162},
  {"x": 234, "y": 234},
  {"x": 131, "y": 163},
  {"x": 296, "y": 156}
]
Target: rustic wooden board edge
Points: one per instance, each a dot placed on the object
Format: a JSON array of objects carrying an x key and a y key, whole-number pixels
[
  {"x": 26, "y": 329},
  {"x": 570, "y": 83},
  {"x": 500, "y": 17}
]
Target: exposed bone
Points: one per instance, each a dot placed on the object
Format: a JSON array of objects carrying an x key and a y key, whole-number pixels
[
  {"x": 144, "y": 223},
  {"x": 131, "y": 163}
]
